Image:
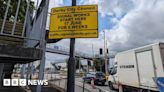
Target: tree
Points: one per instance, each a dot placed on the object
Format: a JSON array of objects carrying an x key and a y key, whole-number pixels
[
  {"x": 13, "y": 8},
  {"x": 99, "y": 64},
  {"x": 77, "y": 61}
]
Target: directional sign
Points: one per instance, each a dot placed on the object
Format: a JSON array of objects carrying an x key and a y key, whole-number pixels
[
  {"x": 160, "y": 83},
  {"x": 74, "y": 22}
]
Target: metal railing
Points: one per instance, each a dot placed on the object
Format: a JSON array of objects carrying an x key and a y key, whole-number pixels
[
  {"x": 59, "y": 80},
  {"x": 12, "y": 28},
  {"x": 64, "y": 50},
  {"x": 15, "y": 19}
]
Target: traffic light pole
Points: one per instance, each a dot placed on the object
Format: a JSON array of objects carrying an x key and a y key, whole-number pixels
[
  {"x": 71, "y": 63},
  {"x": 105, "y": 56}
]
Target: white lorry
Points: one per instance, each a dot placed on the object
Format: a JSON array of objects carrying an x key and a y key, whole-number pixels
[{"x": 137, "y": 69}]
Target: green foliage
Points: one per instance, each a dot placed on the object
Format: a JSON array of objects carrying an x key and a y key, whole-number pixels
[
  {"x": 77, "y": 60},
  {"x": 12, "y": 9},
  {"x": 99, "y": 64}
]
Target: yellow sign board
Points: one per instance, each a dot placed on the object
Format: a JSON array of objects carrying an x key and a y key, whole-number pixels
[{"x": 74, "y": 22}]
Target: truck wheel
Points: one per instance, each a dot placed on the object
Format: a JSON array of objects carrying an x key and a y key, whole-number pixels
[
  {"x": 111, "y": 85},
  {"x": 125, "y": 89}
]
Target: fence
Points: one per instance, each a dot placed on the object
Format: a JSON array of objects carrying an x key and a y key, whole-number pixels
[
  {"x": 17, "y": 31},
  {"x": 59, "y": 81}
]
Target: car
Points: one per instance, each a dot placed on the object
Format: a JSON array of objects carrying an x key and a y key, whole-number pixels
[{"x": 96, "y": 77}]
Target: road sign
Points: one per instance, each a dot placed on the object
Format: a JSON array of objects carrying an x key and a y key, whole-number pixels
[
  {"x": 74, "y": 22},
  {"x": 160, "y": 83}
]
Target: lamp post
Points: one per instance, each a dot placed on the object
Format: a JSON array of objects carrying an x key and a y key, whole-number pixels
[{"x": 105, "y": 54}]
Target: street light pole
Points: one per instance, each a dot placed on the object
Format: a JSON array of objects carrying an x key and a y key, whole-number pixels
[
  {"x": 105, "y": 55},
  {"x": 93, "y": 51},
  {"x": 71, "y": 63}
]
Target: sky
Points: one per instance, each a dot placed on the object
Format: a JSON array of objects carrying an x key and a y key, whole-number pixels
[{"x": 127, "y": 23}]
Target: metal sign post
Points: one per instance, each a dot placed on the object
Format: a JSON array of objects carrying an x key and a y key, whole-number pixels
[
  {"x": 71, "y": 68},
  {"x": 71, "y": 63}
]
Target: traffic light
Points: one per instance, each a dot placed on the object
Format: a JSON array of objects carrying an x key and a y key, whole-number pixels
[
  {"x": 101, "y": 51},
  {"x": 107, "y": 51}
]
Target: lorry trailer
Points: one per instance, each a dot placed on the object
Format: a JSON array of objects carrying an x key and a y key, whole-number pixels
[{"x": 137, "y": 69}]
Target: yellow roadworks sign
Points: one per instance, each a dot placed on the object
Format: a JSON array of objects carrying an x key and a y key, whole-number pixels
[{"x": 74, "y": 22}]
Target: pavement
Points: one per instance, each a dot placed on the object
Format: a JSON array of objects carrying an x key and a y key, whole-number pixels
[
  {"x": 11, "y": 89},
  {"x": 44, "y": 89}
]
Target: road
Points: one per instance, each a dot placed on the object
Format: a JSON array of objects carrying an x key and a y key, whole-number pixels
[
  {"x": 79, "y": 85},
  {"x": 105, "y": 87}
]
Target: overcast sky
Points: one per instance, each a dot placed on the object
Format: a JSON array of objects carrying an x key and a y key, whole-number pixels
[{"x": 128, "y": 24}]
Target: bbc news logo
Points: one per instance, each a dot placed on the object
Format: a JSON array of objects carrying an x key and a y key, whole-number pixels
[{"x": 23, "y": 82}]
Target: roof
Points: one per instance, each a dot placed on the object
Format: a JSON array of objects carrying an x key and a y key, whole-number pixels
[{"x": 142, "y": 47}]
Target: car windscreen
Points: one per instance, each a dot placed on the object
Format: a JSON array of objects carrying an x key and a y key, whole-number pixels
[{"x": 90, "y": 75}]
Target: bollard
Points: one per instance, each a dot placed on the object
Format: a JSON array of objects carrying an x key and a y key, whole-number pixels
[
  {"x": 59, "y": 83},
  {"x": 51, "y": 75},
  {"x": 83, "y": 85},
  {"x": 65, "y": 84},
  {"x": 47, "y": 75},
  {"x": 55, "y": 82}
]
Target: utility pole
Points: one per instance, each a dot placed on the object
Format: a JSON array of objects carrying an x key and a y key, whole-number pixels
[
  {"x": 71, "y": 63},
  {"x": 101, "y": 53},
  {"x": 105, "y": 55},
  {"x": 93, "y": 58},
  {"x": 93, "y": 51},
  {"x": 101, "y": 65}
]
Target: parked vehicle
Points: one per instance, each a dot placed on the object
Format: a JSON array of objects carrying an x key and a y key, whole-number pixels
[
  {"x": 137, "y": 69},
  {"x": 96, "y": 77}
]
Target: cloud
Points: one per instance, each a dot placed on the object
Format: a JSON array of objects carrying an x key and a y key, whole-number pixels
[
  {"x": 55, "y": 3},
  {"x": 115, "y": 8},
  {"x": 137, "y": 23},
  {"x": 141, "y": 26}
]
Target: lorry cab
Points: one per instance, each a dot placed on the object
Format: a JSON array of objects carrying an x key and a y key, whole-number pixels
[{"x": 113, "y": 77}]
